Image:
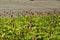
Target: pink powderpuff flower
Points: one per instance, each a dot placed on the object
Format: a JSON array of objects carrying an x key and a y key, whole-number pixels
[
  {"x": 33, "y": 38},
  {"x": 30, "y": 26},
  {"x": 20, "y": 32},
  {"x": 30, "y": 11},
  {"x": 52, "y": 21},
  {"x": 26, "y": 11},
  {"x": 25, "y": 26},
  {"x": 11, "y": 15}
]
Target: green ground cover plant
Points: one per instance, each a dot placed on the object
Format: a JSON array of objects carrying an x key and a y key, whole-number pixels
[{"x": 30, "y": 27}]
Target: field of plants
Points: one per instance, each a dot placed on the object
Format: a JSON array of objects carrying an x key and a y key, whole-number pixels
[{"x": 33, "y": 26}]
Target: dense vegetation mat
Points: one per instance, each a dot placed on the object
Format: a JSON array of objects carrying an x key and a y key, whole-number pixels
[{"x": 30, "y": 27}]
